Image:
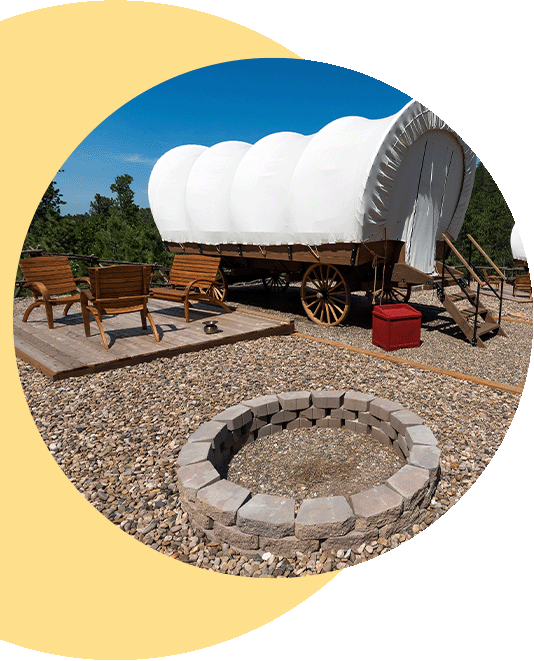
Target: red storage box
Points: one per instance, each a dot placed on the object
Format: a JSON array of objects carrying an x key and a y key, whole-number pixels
[{"x": 396, "y": 326}]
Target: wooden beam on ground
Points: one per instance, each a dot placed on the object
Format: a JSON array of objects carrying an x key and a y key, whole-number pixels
[{"x": 505, "y": 387}]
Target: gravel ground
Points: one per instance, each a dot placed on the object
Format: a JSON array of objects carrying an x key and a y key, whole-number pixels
[
  {"x": 442, "y": 343},
  {"x": 120, "y": 431}
]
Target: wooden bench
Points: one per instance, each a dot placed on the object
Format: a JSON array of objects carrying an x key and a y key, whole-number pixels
[
  {"x": 192, "y": 278},
  {"x": 523, "y": 283},
  {"x": 47, "y": 278},
  {"x": 117, "y": 290}
]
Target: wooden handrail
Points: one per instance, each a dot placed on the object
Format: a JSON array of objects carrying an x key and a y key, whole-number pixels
[
  {"x": 486, "y": 256},
  {"x": 475, "y": 276}
]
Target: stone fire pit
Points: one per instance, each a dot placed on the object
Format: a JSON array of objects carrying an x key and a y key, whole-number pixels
[{"x": 227, "y": 512}]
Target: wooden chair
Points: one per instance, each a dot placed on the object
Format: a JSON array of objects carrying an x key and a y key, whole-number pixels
[
  {"x": 492, "y": 279},
  {"x": 523, "y": 283},
  {"x": 47, "y": 278},
  {"x": 117, "y": 290},
  {"x": 192, "y": 278}
]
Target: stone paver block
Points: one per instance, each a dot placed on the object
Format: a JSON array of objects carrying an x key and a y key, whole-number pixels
[
  {"x": 357, "y": 401},
  {"x": 259, "y": 421},
  {"x": 401, "y": 419},
  {"x": 387, "y": 428},
  {"x": 235, "y": 416},
  {"x": 327, "y": 399},
  {"x": 376, "y": 507},
  {"x": 318, "y": 518},
  {"x": 268, "y": 430},
  {"x": 195, "y": 476},
  {"x": 268, "y": 516},
  {"x": 288, "y": 545},
  {"x": 379, "y": 435},
  {"x": 283, "y": 416},
  {"x": 313, "y": 413},
  {"x": 193, "y": 453},
  {"x": 300, "y": 423},
  {"x": 263, "y": 406},
  {"x": 425, "y": 456},
  {"x": 411, "y": 483},
  {"x": 352, "y": 540},
  {"x": 357, "y": 426},
  {"x": 419, "y": 435},
  {"x": 333, "y": 423},
  {"x": 364, "y": 417},
  {"x": 397, "y": 450},
  {"x": 235, "y": 537},
  {"x": 202, "y": 521},
  {"x": 215, "y": 432},
  {"x": 294, "y": 401},
  {"x": 221, "y": 500},
  {"x": 401, "y": 440},
  {"x": 383, "y": 408}
]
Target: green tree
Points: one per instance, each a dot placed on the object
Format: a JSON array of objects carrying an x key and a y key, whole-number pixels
[
  {"x": 101, "y": 206},
  {"x": 125, "y": 196},
  {"x": 489, "y": 221}
]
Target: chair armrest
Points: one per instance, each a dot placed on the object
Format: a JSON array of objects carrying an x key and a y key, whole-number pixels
[
  {"x": 85, "y": 296},
  {"x": 40, "y": 288},
  {"x": 195, "y": 283},
  {"x": 82, "y": 278}
]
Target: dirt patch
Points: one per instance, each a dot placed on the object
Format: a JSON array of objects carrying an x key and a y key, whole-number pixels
[{"x": 313, "y": 463}]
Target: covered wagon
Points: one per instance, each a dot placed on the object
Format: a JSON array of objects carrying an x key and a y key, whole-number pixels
[{"x": 359, "y": 206}]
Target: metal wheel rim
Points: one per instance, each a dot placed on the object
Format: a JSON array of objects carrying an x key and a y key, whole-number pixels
[{"x": 325, "y": 295}]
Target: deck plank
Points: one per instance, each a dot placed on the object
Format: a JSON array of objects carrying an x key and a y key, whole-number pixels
[{"x": 64, "y": 351}]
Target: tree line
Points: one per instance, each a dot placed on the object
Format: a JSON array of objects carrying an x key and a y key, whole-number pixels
[
  {"x": 114, "y": 228},
  {"x": 489, "y": 221}
]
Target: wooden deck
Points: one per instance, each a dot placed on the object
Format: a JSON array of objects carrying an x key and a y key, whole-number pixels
[{"x": 64, "y": 351}]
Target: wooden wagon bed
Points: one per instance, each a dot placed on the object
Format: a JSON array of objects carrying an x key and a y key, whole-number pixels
[{"x": 64, "y": 351}]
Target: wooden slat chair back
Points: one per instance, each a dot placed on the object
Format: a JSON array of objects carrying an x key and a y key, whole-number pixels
[
  {"x": 48, "y": 277},
  {"x": 523, "y": 283},
  {"x": 117, "y": 290},
  {"x": 191, "y": 278},
  {"x": 491, "y": 278}
]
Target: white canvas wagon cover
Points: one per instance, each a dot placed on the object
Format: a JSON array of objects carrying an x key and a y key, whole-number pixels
[
  {"x": 518, "y": 250},
  {"x": 407, "y": 177}
]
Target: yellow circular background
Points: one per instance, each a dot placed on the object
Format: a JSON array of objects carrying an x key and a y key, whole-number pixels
[{"x": 74, "y": 584}]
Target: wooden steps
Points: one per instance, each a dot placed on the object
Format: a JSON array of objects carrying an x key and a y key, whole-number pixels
[{"x": 466, "y": 315}]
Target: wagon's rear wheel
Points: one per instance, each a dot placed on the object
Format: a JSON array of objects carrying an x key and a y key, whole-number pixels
[
  {"x": 325, "y": 295},
  {"x": 390, "y": 295},
  {"x": 220, "y": 288},
  {"x": 276, "y": 283}
]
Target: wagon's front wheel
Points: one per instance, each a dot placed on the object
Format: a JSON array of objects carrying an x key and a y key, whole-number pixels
[{"x": 325, "y": 295}]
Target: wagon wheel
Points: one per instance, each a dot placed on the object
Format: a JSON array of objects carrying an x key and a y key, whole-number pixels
[
  {"x": 220, "y": 287},
  {"x": 325, "y": 295},
  {"x": 276, "y": 283},
  {"x": 390, "y": 295}
]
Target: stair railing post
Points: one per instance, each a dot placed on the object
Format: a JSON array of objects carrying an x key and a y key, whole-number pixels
[
  {"x": 500, "y": 302},
  {"x": 470, "y": 262},
  {"x": 474, "y": 340}
]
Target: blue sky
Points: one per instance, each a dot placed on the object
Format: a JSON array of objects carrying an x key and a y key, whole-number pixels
[{"x": 243, "y": 100}]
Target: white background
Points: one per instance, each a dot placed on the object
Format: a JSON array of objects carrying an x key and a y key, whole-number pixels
[{"x": 463, "y": 589}]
